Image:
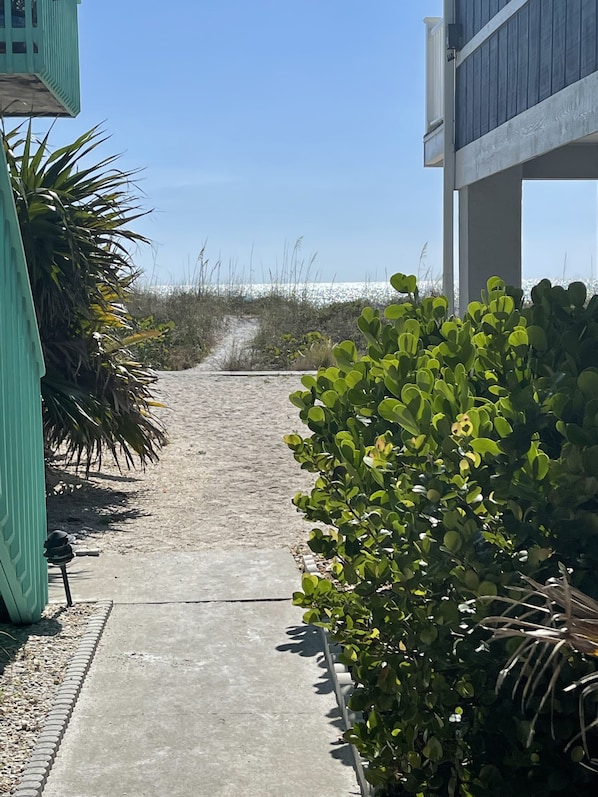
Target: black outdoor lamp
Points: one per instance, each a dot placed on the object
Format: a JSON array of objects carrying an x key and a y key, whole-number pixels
[{"x": 59, "y": 551}]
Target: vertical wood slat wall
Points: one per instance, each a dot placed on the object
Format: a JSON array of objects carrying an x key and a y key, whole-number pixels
[
  {"x": 474, "y": 14},
  {"x": 61, "y": 58},
  {"x": 41, "y": 41},
  {"x": 38, "y": 45},
  {"x": 23, "y": 569},
  {"x": 543, "y": 48}
]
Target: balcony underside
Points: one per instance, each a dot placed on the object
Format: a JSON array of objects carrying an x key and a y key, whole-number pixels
[
  {"x": 434, "y": 146},
  {"x": 27, "y": 95}
]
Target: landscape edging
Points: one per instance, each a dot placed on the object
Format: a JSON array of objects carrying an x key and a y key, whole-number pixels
[
  {"x": 343, "y": 687},
  {"x": 46, "y": 747}
]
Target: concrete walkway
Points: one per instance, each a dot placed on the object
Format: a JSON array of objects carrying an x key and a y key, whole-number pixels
[{"x": 205, "y": 684}]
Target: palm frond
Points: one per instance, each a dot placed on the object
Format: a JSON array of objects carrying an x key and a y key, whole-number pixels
[
  {"x": 554, "y": 620},
  {"x": 75, "y": 212}
]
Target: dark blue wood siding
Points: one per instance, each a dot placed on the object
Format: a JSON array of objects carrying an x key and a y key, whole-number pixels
[
  {"x": 589, "y": 37},
  {"x": 545, "y": 47},
  {"x": 472, "y": 15},
  {"x": 533, "y": 63}
]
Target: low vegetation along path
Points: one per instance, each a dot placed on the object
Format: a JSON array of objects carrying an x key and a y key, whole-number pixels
[{"x": 205, "y": 682}]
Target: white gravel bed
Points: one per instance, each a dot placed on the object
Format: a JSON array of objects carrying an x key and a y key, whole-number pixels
[{"x": 33, "y": 660}]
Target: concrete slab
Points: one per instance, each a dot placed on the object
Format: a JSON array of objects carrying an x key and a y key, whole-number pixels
[
  {"x": 200, "y": 755},
  {"x": 241, "y": 574},
  {"x": 210, "y": 700},
  {"x": 249, "y": 654},
  {"x": 205, "y": 683}
]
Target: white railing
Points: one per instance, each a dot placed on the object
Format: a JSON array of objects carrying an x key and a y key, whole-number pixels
[{"x": 435, "y": 55}]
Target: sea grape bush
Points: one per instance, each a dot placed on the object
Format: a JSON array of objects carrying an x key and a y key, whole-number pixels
[{"x": 454, "y": 456}]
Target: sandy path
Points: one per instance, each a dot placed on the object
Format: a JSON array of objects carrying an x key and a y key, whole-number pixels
[
  {"x": 238, "y": 333},
  {"x": 225, "y": 479}
]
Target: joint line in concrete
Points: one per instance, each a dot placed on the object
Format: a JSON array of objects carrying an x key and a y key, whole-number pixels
[{"x": 200, "y": 602}]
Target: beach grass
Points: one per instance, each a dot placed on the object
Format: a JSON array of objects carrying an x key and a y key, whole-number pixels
[
  {"x": 191, "y": 323},
  {"x": 293, "y": 333},
  {"x": 296, "y": 328}
]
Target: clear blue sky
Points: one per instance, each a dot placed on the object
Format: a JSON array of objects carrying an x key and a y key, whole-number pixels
[{"x": 261, "y": 121}]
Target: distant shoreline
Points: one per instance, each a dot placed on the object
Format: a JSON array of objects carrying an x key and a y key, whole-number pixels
[{"x": 322, "y": 293}]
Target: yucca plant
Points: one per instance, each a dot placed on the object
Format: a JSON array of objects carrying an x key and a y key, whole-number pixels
[{"x": 75, "y": 214}]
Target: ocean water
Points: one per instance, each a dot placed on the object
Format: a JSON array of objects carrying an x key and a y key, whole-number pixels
[
  {"x": 318, "y": 293},
  {"x": 322, "y": 293}
]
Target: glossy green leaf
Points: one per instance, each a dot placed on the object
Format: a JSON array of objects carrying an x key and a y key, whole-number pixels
[
  {"x": 403, "y": 283},
  {"x": 329, "y": 398},
  {"x": 484, "y": 445},
  {"x": 309, "y": 583},
  {"x": 316, "y": 415},
  {"x": 433, "y": 749},
  {"x": 587, "y": 382},
  {"x": 346, "y": 354},
  {"x": 518, "y": 338},
  {"x": 577, "y": 293},
  {"x": 408, "y": 343},
  {"x": 396, "y": 412},
  {"x": 537, "y": 337},
  {"x": 452, "y": 541},
  {"x": 502, "y": 426}
]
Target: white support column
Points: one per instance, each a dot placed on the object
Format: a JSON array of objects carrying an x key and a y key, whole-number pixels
[
  {"x": 448, "y": 183},
  {"x": 489, "y": 233}
]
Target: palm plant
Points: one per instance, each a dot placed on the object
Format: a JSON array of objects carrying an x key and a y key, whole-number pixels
[
  {"x": 74, "y": 215},
  {"x": 554, "y": 621}
]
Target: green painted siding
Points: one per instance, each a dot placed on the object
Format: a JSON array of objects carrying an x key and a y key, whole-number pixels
[{"x": 23, "y": 570}]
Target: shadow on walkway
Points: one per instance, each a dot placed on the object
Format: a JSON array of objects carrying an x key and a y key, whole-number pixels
[{"x": 306, "y": 641}]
